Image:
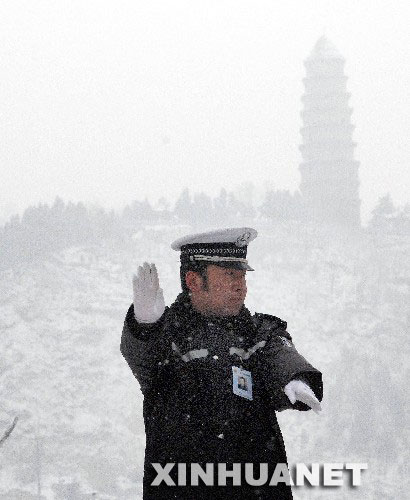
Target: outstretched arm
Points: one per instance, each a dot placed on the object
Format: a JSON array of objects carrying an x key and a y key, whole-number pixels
[
  {"x": 290, "y": 380},
  {"x": 295, "y": 382}
]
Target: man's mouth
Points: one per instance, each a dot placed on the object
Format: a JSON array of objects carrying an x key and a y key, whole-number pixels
[{"x": 237, "y": 299}]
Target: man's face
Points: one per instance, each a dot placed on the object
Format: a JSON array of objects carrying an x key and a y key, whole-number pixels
[{"x": 224, "y": 293}]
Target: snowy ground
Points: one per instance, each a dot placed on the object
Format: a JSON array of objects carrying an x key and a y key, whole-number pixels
[{"x": 80, "y": 410}]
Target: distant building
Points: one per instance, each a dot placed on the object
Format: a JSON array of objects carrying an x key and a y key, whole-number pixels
[{"x": 329, "y": 173}]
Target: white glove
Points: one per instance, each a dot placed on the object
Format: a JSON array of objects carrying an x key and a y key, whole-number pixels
[
  {"x": 298, "y": 390},
  {"x": 148, "y": 296}
]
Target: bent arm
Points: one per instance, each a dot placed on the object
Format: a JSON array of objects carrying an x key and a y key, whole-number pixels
[{"x": 141, "y": 346}]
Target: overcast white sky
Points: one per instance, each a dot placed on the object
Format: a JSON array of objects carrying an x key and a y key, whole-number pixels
[{"x": 110, "y": 101}]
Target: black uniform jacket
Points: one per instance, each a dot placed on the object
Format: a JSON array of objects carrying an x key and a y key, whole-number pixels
[{"x": 185, "y": 363}]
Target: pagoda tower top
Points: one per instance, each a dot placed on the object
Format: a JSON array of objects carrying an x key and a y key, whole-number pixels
[
  {"x": 329, "y": 173},
  {"x": 325, "y": 49}
]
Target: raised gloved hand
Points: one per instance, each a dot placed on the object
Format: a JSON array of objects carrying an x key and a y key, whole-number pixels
[
  {"x": 296, "y": 390},
  {"x": 148, "y": 296}
]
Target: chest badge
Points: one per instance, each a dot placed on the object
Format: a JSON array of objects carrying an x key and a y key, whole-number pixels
[{"x": 242, "y": 383}]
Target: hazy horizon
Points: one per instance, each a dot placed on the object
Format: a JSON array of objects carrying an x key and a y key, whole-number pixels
[{"x": 107, "y": 102}]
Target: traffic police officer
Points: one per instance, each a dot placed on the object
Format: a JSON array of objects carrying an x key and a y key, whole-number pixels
[{"x": 212, "y": 374}]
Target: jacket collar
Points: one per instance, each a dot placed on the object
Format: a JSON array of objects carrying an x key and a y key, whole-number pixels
[{"x": 181, "y": 313}]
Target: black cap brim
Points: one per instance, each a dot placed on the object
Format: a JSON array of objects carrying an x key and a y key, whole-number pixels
[{"x": 241, "y": 266}]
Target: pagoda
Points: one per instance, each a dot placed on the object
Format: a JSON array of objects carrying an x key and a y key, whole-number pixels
[{"x": 329, "y": 173}]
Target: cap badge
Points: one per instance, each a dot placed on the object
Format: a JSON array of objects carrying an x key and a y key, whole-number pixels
[{"x": 243, "y": 240}]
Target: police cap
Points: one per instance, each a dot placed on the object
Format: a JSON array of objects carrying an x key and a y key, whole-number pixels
[{"x": 222, "y": 247}]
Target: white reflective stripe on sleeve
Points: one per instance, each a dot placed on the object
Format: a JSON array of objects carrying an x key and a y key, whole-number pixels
[
  {"x": 257, "y": 346},
  {"x": 194, "y": 354},
  {"x": 190, "y": 355},
  {"x": 239, "y": 351},
  {"x": 247, "y": 354},
  {"x": 175, "y": 348}
]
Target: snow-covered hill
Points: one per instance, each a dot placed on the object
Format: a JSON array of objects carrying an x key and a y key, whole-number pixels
[{"x": 80, "y": 428}]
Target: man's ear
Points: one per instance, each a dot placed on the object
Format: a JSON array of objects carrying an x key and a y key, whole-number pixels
[{"x": 193, "y": 281}]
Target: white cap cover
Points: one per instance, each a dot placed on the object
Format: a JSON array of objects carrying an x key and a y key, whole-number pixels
[{"x": 224, "y": 247}]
